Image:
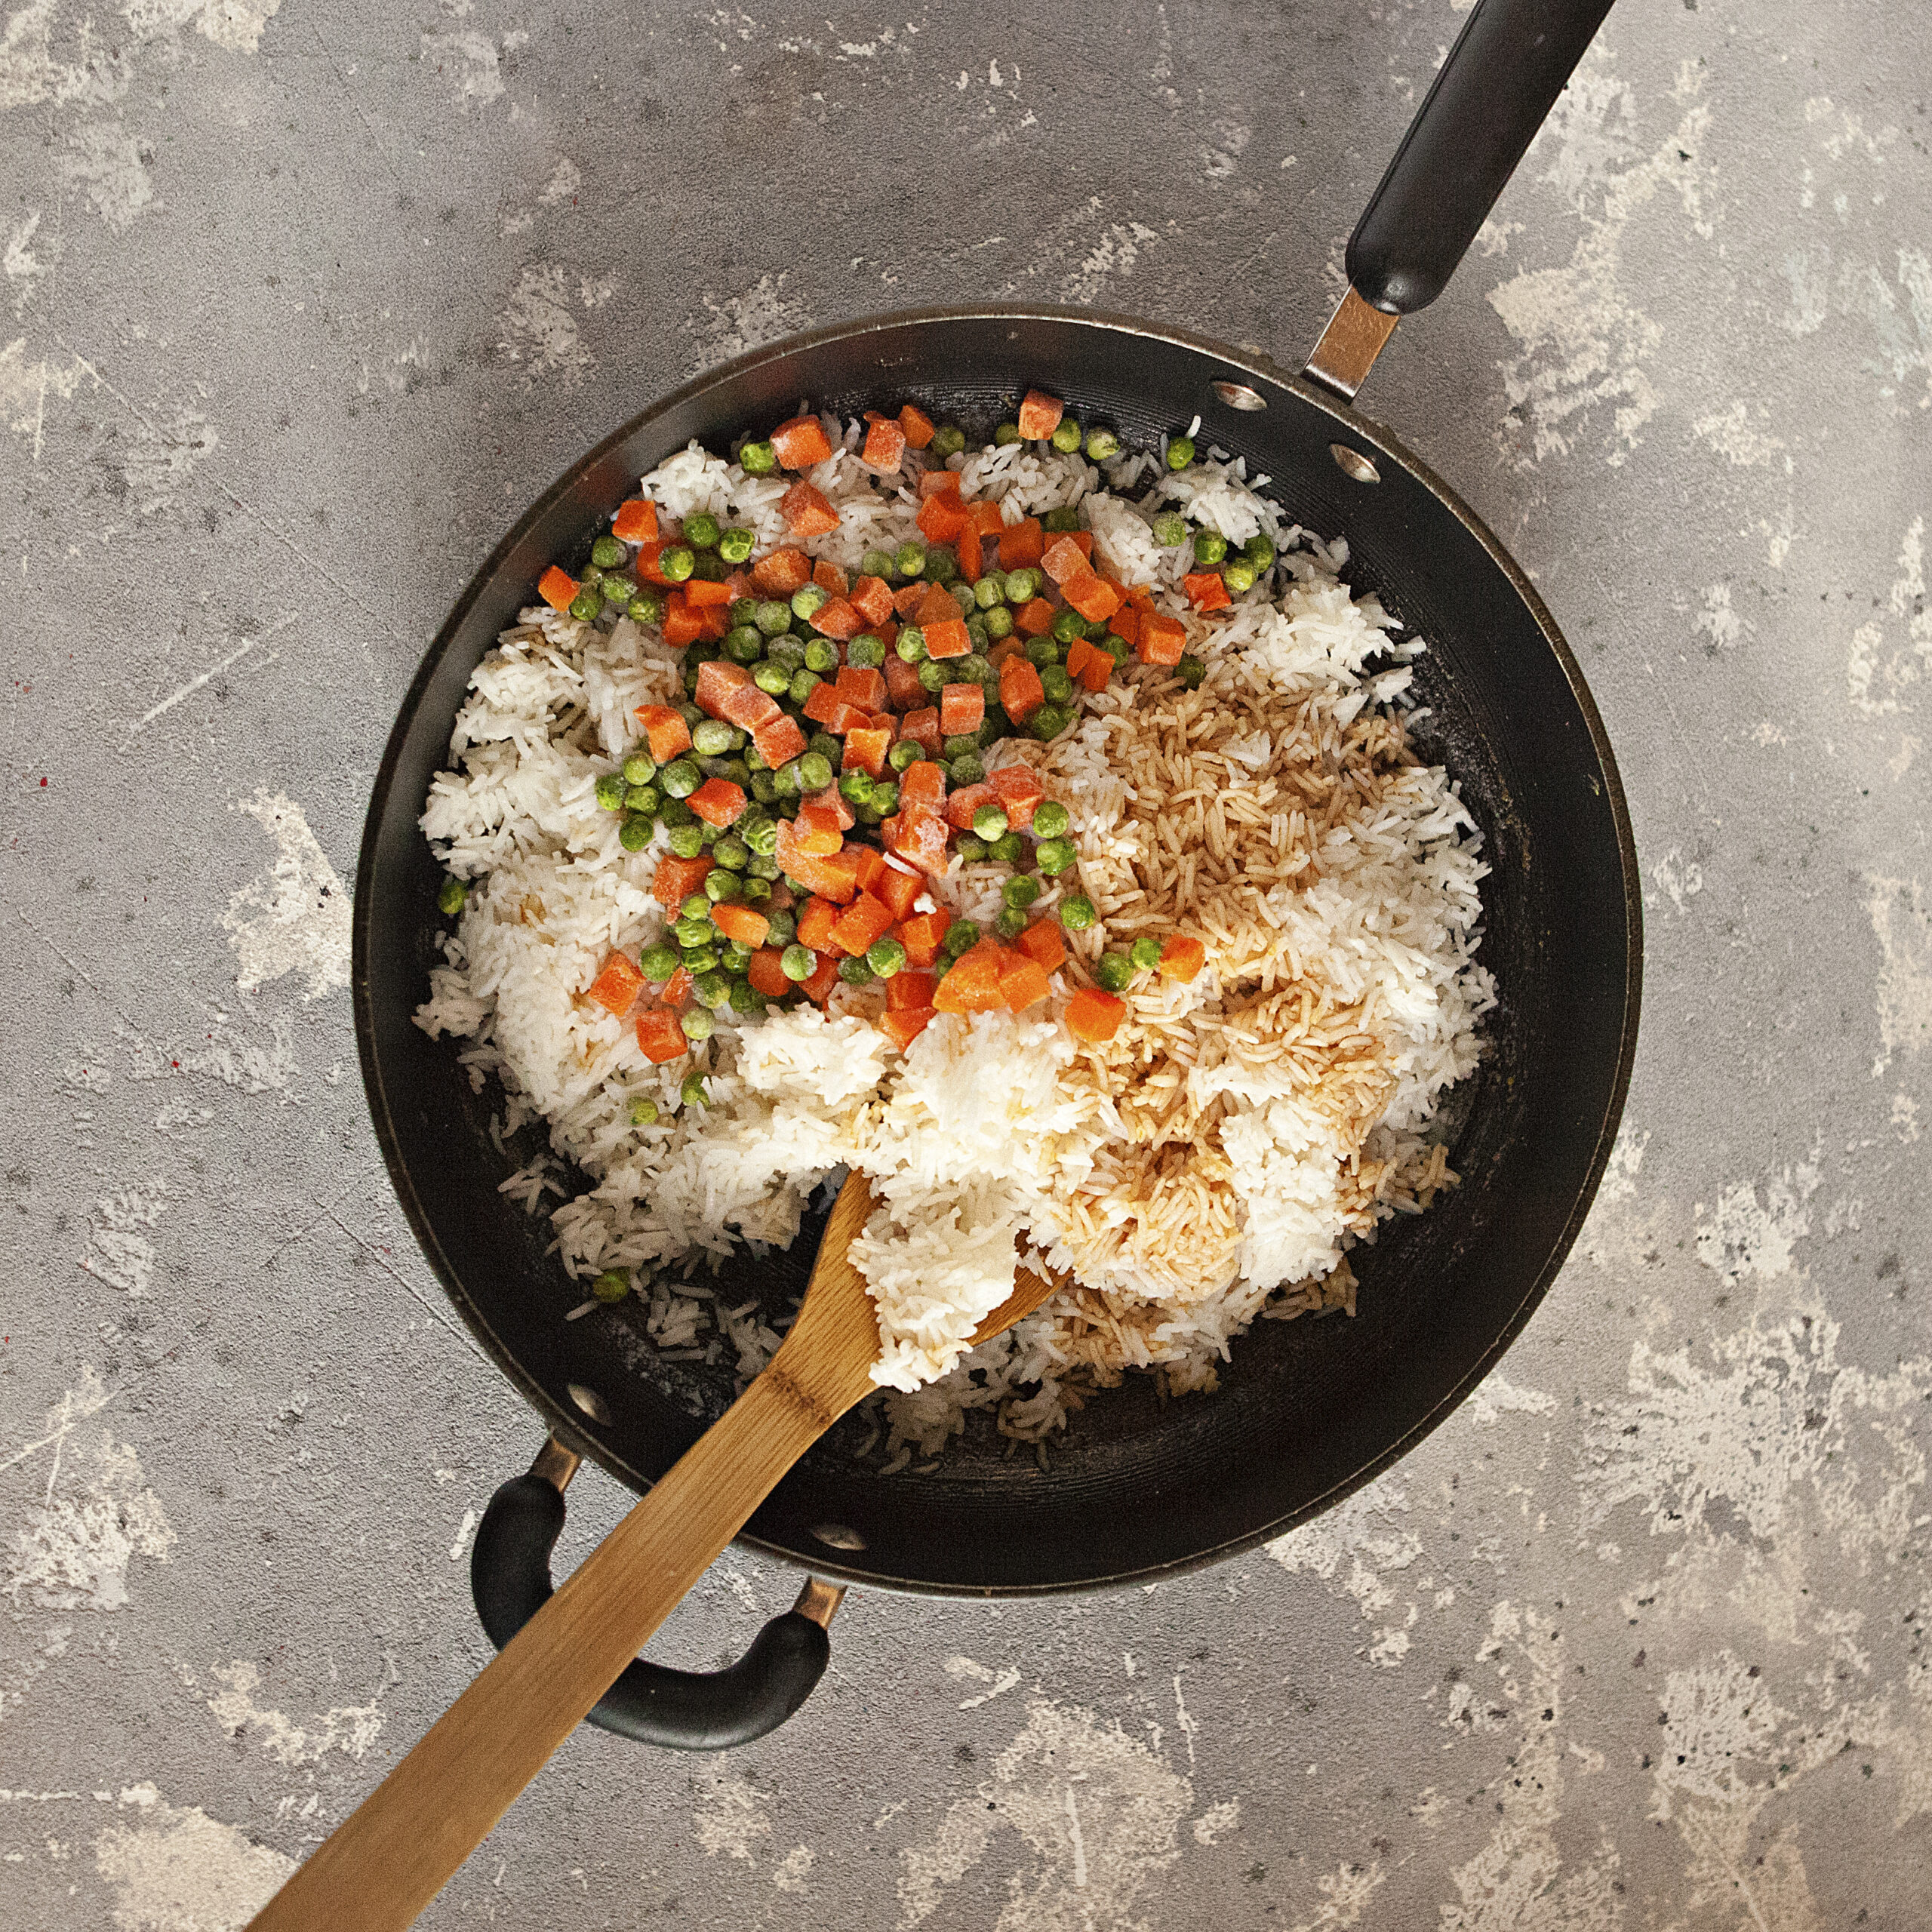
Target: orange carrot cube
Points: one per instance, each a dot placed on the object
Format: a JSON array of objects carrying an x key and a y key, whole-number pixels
[
  {"x": 816, "y": 922},
  {"x": 1039, "y": 416},
  {"x": 917, "y": 425},
  {"x": 1093, "y": 1016},
  {"x": 557, "y": 588},
  {"x": 718, "y": 801},
  {"x": 856, "y": 684},
  {"x": 942, "y": 517},
  {"x": 1034, "y": 619},
  {"x": 865, "y": 919},
  {"x": 967, "y": 800},
  {"x": 617, "y": 987},
  {"x": 948, "y": 638},
  {"x": 903, "y": 691},
  {"x": 1206, "y": 590},
  {"x": 745, "y": 924},
  {"x": 636, "y": 520},
  {"x": 838, "y": 620},
  {"x": 829, "y": 577},
  {"x": 1019, "y": 789},
  {"x": 683, "y": 625},
  {"x": 765, "y": 970},
  {"x": 779, "y": 741},
  {"x": 872, "y": 597},
  {"x": 909, "y": 990},
  {"x": 664, "y": 731},
  {"x": 1182, "y": 958},
  {"x": 781, "y": 572},
  {"x": 962, "y": 707},
  {"x": 1021, "y": 693},
  {"x": 659, "y": 1034},
  {"x": 750, "y": 709},
  {"x": 676, "y": 879},
  {"x": 923, "y": 783},
  {"x": 807, "y": 511},
  {"x": 717, "y": 679},
  {"x": 1020, "y": 544},
  {"x": 922, "y": 728},
  {"x": 1023, "y": 982},
  {"x": 818, "y": 988},
  {"x": 898, "y": 886},
  {"x": 1091, "y": 595},
  {"x": 922, "y": 936},
  {"x": 865, "y": 748},
  {"x": 885, "y": 442},
  {"x": 1042, "y": 944},
  {"x": 903, "y": 1025},
  {"x": 1163, "y": 638},
  {"x": 701, "y": 595},
  {"x": 801, "y": 442}
]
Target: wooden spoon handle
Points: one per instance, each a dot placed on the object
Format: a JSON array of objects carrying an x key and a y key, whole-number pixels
[{"x": 389, "y": 1858}]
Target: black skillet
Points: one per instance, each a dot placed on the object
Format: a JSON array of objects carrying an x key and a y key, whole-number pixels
[{"x": 1308, "y": 1411}]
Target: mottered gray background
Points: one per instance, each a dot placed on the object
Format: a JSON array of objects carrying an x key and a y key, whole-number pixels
[{"x": 302, "y": 302}]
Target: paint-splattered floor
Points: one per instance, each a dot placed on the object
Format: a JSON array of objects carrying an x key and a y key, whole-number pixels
[{"x": 303, "y": 303}]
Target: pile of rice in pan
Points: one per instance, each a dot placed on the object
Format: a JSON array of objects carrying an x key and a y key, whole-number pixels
[{"x": 1227, "y": 994}]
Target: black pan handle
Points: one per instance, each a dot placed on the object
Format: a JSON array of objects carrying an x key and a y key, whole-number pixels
[
  {"x": 1502, "y": 77},
  {"x": 684, "y": 1710}
]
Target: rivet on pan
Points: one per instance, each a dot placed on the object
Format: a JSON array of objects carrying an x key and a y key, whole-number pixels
[
  {"x": 836, "y": 1535},
  {"x": 1354, "y": 463},
  {"x": 1238, "y": 396},
  {"x": 590, "y": 1402}
]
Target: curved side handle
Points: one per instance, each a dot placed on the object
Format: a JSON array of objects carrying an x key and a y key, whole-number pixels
[
  {"x": 1502, "y": 77},
  {"x": 510, "y": 1578}
]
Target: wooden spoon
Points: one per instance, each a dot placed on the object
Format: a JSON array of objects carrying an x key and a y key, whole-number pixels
[{"x": 394, "y": 1853}]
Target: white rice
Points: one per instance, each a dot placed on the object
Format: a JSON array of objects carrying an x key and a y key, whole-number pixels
[{"x": 996, "y": 1131}]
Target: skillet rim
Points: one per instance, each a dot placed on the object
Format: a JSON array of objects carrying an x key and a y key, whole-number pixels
[{"x": 568, "y": 1427}]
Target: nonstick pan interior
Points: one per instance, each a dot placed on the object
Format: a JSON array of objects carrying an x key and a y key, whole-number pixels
[{"x": 1307, "y": 1409}]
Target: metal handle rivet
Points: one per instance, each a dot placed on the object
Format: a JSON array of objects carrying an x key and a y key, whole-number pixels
[{"x": 1352, "y": 463}]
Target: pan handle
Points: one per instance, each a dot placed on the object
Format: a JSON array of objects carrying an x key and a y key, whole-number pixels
[
  {"x": 684, "y": 1710},
  {"x": 1502, "y": 77}
]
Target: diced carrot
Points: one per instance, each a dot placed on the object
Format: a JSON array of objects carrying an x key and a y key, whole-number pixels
[
  {"x": 1206, "y": 590},
  {"x": 718, "y": 801},
  {"x": 1095, "y": 598},
  {"x": 857, "y": 685},
  {"x": 765, "y": 969},
  {"x": 829, "y": 875},
  {"x": 867, "y": 918},
  {"x": 714, "y": 621},
  {"x": 676, "y": 991},
  {"x": 820, "y": 703},
  {"x": 665, "y": 730},
  {"x": 903, "y": 691},
  {"x": 948, "y": 637},
  {"x": 837, "y": 619},
  {"x": 1094, "y": 1017},
  {"x": 973, "y": 985},
  {"x": 962, "y": 707},
  {"x": 750, "y": 708},
  {"x": 816, "y": 922},
  {"x": 801, "y": 442},
  {"x": 898, "y": 886},
  {"x": 817, "y": 829},
  {"x": 682, "y": 624},
  {"x": 1182, "y": 958},
  {"x": 1041, "y": 943},
  {"x": 1078, "y": 654},
  {"x": 1020, "y": 544},
  {"x": 676, "y": 879},
  {"x": 907, "y": 991},
  {"x": 985, "y": 517},
  {"x": 646, "y": 564},
  {"x": 780, "y": 572},
  {"x": 917, "y": 424},
  {"x": 636, "y": 520},
  {"x": 872, "y": 597},
  {"x": 942, "y": 517},
  {"x": 936, "y": 604},
  {"x": 829, "y": 577},
  {"x": 870, "y": 864},
  {"x": 903, "y": 1025},
  {"x": 1062, "y": 558},
  {"x": 923, "y": 783},
  {"x": 1163, "y": 638},
  {"x": 1039, "y": 416},
  {"x": 616, "y": 988},
  {"x": 906, "y": 600},
  {"x": 938, "y": 483},
  {"x": 865, "y": 748},
  {"x": 1099, "y": 668},
  {"x": 921, "y": 935},
  {"x": 1126, "y": 623},
  {"x": 972, "y": 553},
  {"x": 846, "y": 717},
  {"x": 965, "y": 802},
  {"x": 835, "y": 802},
  {"x": 1023, "y": 982},
  {"x": 885, "y": 442},
  {"x": 557, "y": 588},
  {"x": 918, "y": 836},
  {"x": 1020, "y": 691},
  {"x": 659, "y": 1034},
  {"x": 718, "y": 678},
  {"x": 738, "y": 584},
  {"x": 779, "y": 742},
  {"x": 1034, "y": 619},
  {"x": 922, "y": 728},
  {"x": 806, "y": 510},
  {"x": 746, "y": 925},
  {"x": 818, "y": 988},
  {"x": 1019, "y": 790},
  {"x": 701, "y": 595}
]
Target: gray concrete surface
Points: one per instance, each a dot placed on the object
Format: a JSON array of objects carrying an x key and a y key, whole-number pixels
[{"x": 302, "y": 304}]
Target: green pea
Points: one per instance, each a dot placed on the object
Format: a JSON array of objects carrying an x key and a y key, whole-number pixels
[
  {"x": 998, "y": 622},
  {"x": 1180, "y": 452},
  {"x": 960, "y": 745},
  {"x": 798, "y": 962},
  {"x": 787, "y": 650},
  {"x": 972, "y": 850},
  {"x": 452, "y": 894},
  {"x": 781, "y": 928},
  {"x": 977, "y": 635},
  {"x": 657, "y": 963},
  {"x": 866, "y": 651},
  {"x": 948, "y": 439},
  {"x": 911, "y": 558},
  {"x": 1191, "y": 670},
  {"x": 1047, "y": 723},
  {"x": 1007, "y": 432},
  {"x": 677, "y": 562},
  {"x": 989, "y": 591},
  {"x": 972, "y": 669},
  {"x": 611, "y": 1286},
  {"x": 701, "y": 958},
  {"x": 876, "y": 563},
  {"x": 591, "y": 579},
  {"x": 814, "y": 771},
  {"x": 886, "y": 957},
  {"x": 1057, "y": 685},
  {"x": 988, "y": 821},
  {"x": 687, "y": 840},
  {"x": 942, "y": 563},
  {"x": 1020, "y": 891},
  {"x": 646, "y": 607},
  {"x": 884, "y": 799},
  {"x": 761, "y": 835},
  {"x": 932, "y": 675},
  {"x": 809, "y": 599},
  {"x": 609, "y": 791},
  {"x": 1065, "y": 437},
  {"x": 690, "y": 931},
  {"x": 961, "y": 936},
  {"x": 735, "y": 769},
  {"x": 713, "y": 739},
  {"x": 708, "y": 566},
  {"x": 757, "y": 890},
  {"x": 1068, "y": 626},
  {"x": 1114, "y": 971},
  {"x": 1259, "y": 551},
  {"x": 642, "y": 799},
  {"x": 691, "y": 1089},
  {"x": 1116, "y": 647},
  {"x": 1169, "y": 529},
  {"x": 617, "y": 592},
  {"x": 1077, "y": 912},
  {"x": 821, "y": 656},
  {"x": 735, "y": 545},
  {"x": 772, "y": 618},
  {"x": 801, "y": 686},
  {"x": 745, "y": 645},
  {"x": 711, "y": 987},
  {"x": 1009, "y": 848},
  {"x": 1144, "y": 953},
  {"x": 905, "y": 752},
  {"x": 1010, "y": 923},
  {"x": 1238, "y": 575},
  {"x": 1210, "y": 547},
  {"x": 1102, "y": 445},
  {"x": 722, "y": 886},
  {"x": 695, "y": 905},
  {"x": 1045, "y": 650},
  {"x": 692, "y": 667},
  {"x": 911, "y": 644},
  {"x": 1053, "y": 856},
  {"x": 585, "y": 604},
  {"x": 635, "y": 833},
  {"x": 1020, "y": 586},
  {"x": 855, "y": 787},
  {"x": 607, "y": 552},
  {"x": 855, "y": 972},
  {"x": 733, "y": 854},
  {"x": 785, "y": 779},
  {"x": 1061, "y": 522},
  {"x": 772, "y": 679},
  {"x": 702, "y": 530},
  {"x": 643, "y": 1111},
  {"x": 1051, "y": 819},
  {"x": 757, "y": 459}
]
